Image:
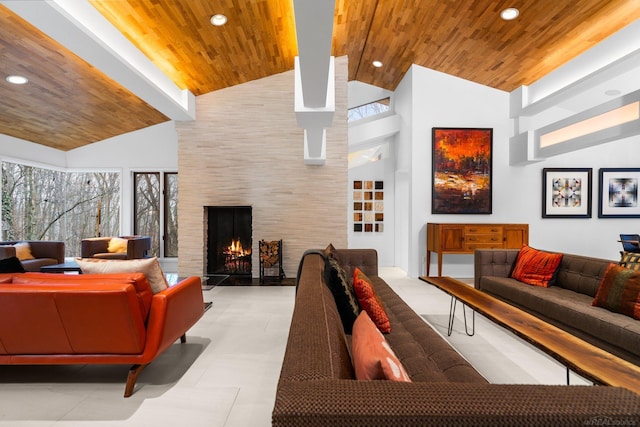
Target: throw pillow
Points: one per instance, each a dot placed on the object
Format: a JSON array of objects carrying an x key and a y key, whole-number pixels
[
  {"x": 630, "y": 260},
  {"x": 373, "y": 359},
  {"x": 619, "y": 291},
  {"x": 535, "y": 267},
  {"x": 11, "y": 265},
  {"x": 150, "y": 267},
  {"x": 117, "y": 245},
  {"x": 342, "y": 290},
  {"x": 369, "y": 301},
  {"x": 23, "y": 251}
]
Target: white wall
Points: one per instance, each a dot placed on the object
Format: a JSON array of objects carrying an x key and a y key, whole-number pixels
[
  {"x": 382, "y": 170},
  {"x": 440, "y": 100}
]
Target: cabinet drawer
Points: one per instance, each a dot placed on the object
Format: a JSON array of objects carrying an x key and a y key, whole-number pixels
[
  {"x": 482, "y": 229},
  {"x": 470, "y": 247},
  {"x": 483, "y": 238}
]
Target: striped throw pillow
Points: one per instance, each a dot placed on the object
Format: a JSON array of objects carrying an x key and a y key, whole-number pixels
[
  {"x": 619, "y": 291},
  {"x": 535, "y": 267}
]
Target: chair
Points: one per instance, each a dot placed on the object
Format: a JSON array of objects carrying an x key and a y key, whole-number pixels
[
  {"x": 98, "y": 247},
  {"x": 630, "y": 242}
]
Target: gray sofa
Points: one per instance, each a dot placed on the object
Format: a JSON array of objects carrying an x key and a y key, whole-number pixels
[
  {"x": 567, "y": 303},
  {"x": 317, "y": 386},
  {"x": 45, "y": 252}
]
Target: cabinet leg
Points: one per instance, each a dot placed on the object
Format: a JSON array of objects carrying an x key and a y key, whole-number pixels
[{"x": 428, "y": 262}]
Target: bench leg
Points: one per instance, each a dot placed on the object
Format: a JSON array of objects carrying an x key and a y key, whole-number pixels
[{"x": 452, "y": 316}]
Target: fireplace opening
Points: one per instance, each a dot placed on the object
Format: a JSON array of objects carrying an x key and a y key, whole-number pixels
[{"x": 229, "y": 241}]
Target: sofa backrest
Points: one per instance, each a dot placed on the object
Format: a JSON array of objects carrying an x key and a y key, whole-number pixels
[
  {"x": 144, "y": 293},
  {"x": 581, "y": 274},
  {"x": 83, "y": 317},
  {"x": 316, "y": 347}
]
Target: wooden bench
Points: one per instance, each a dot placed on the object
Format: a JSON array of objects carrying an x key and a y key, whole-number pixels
[{"x": 581, "y": 357}]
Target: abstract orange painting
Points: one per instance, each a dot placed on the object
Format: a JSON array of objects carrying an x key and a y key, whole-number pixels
[{"x": 462, "y": 166}]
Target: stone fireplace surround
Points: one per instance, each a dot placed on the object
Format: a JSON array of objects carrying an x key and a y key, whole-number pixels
[{"x": 245, "y": 149}]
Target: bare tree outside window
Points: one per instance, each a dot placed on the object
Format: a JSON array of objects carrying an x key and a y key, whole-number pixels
[
  {"x": 146, "y": 208},
  {"x": 171, "y": 215},
  {"x": 45, "y": 204}
]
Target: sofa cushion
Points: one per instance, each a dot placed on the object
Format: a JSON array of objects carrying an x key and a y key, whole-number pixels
[
  {"x": 369, "y": 301},
  {"x": 150, "y": 267},
  {"x": 23, "y": 251},
  {"x": 11, "y": 265},
  {"x": 569, "y": 310},
  {"x": 343, "y": 293},
  {"x": 373, "y": 358},
  {"x": 619, "y": 291},
  {"x": 630, "y": 260},
  {"x": 535, "y": 267}
]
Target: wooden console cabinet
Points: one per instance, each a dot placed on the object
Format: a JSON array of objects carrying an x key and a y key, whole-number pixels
[{"x": 466, "y": 238}]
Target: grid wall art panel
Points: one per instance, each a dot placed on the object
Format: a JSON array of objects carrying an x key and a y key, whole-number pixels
[{"x": 368, "y": 206}]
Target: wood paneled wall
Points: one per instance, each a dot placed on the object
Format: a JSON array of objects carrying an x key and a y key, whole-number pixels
[{"x": 245, "y": 149}]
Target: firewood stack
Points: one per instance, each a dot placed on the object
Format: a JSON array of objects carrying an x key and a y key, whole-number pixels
[{"x": 269, "y": 253}]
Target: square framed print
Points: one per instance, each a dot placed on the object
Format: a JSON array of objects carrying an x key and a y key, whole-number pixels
[
  {"x": 566, "y": 192},
  {"x": 462, "y": 168},
  {"x": 618, "y": 197}
]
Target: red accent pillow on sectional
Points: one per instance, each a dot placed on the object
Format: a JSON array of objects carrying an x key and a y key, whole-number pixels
[
  {"x": 535, "y": 267},
  {"x": 373, "y": 359},
  {"x": 369, "y": 301}
]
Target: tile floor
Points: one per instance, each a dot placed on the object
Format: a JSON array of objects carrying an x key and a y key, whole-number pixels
[{"x": 226, "y": 373}]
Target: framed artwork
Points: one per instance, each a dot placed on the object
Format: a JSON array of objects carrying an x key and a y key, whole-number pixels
[
  {"x": 619, "y": 193},
  {"x": 566, "y": 192},
  {"x": 368, "y": 206},
  {"x": 462, "y": 168}
]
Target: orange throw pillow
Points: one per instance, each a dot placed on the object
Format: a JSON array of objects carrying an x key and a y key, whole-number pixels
[
  {"x": 535, "y": 267},
  {"x": 369, "y": 301},
  {"x": 372, "y": 357}
]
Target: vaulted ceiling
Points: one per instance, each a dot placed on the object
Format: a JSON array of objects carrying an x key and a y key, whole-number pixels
[{"x": 70, "y": 102}]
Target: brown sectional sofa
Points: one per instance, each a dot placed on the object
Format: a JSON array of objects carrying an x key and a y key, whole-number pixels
[
  {"x": 317, "y": 385},
  {"x": 566, "y": 304},
  {"x": 45, "y": 252}
]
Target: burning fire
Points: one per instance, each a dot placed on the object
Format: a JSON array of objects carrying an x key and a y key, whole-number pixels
[{"x": 235, "y": 249}]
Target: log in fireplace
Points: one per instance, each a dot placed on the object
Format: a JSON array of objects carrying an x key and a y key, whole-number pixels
[{"x": 229, "y": 241}]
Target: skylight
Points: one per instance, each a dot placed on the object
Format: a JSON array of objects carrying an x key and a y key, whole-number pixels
[{"x": 368, "y": 110}]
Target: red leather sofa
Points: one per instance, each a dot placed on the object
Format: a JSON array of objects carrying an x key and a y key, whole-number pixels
[{"x": 48, "y": 319}]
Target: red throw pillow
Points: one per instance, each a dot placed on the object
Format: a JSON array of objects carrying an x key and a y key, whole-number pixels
[
  {"x": 369, "y": 301},
  {"x": 535, "y": 267},
  {"x": 372, "y": 357},
  {"x": 619, "y": 291}
]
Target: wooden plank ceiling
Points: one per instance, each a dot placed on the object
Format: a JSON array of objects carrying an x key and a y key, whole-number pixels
[{"x": 69, "y": 103}]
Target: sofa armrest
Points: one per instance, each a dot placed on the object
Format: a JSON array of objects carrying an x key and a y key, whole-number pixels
[
  {"x": 137, "y": 246},
  {"x": 389, "y": 403},
  {"x": 47, "y": 249},
  {"x": 94, "y": 245},
  {"x": 7, "y": 251},
  {"x": 493, "y": 262},
  {"x": 173, "y": 311}
]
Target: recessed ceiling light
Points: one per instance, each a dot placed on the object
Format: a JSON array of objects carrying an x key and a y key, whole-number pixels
[
  {"x": 377, "y": 64},
  {"x": 17, "y": 80},
  {"x": 509, "y": 14},
  {"x": 218, "y": 20}
]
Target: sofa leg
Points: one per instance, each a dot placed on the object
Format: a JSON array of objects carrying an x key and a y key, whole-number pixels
[
  {"x": 183, "y": 338},
  {"x": 134, "y": 371}
]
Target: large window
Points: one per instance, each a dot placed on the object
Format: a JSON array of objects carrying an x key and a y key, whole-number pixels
[
  {"x": 156, "y": 210},
  {"x": 46, "y": 204}
]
